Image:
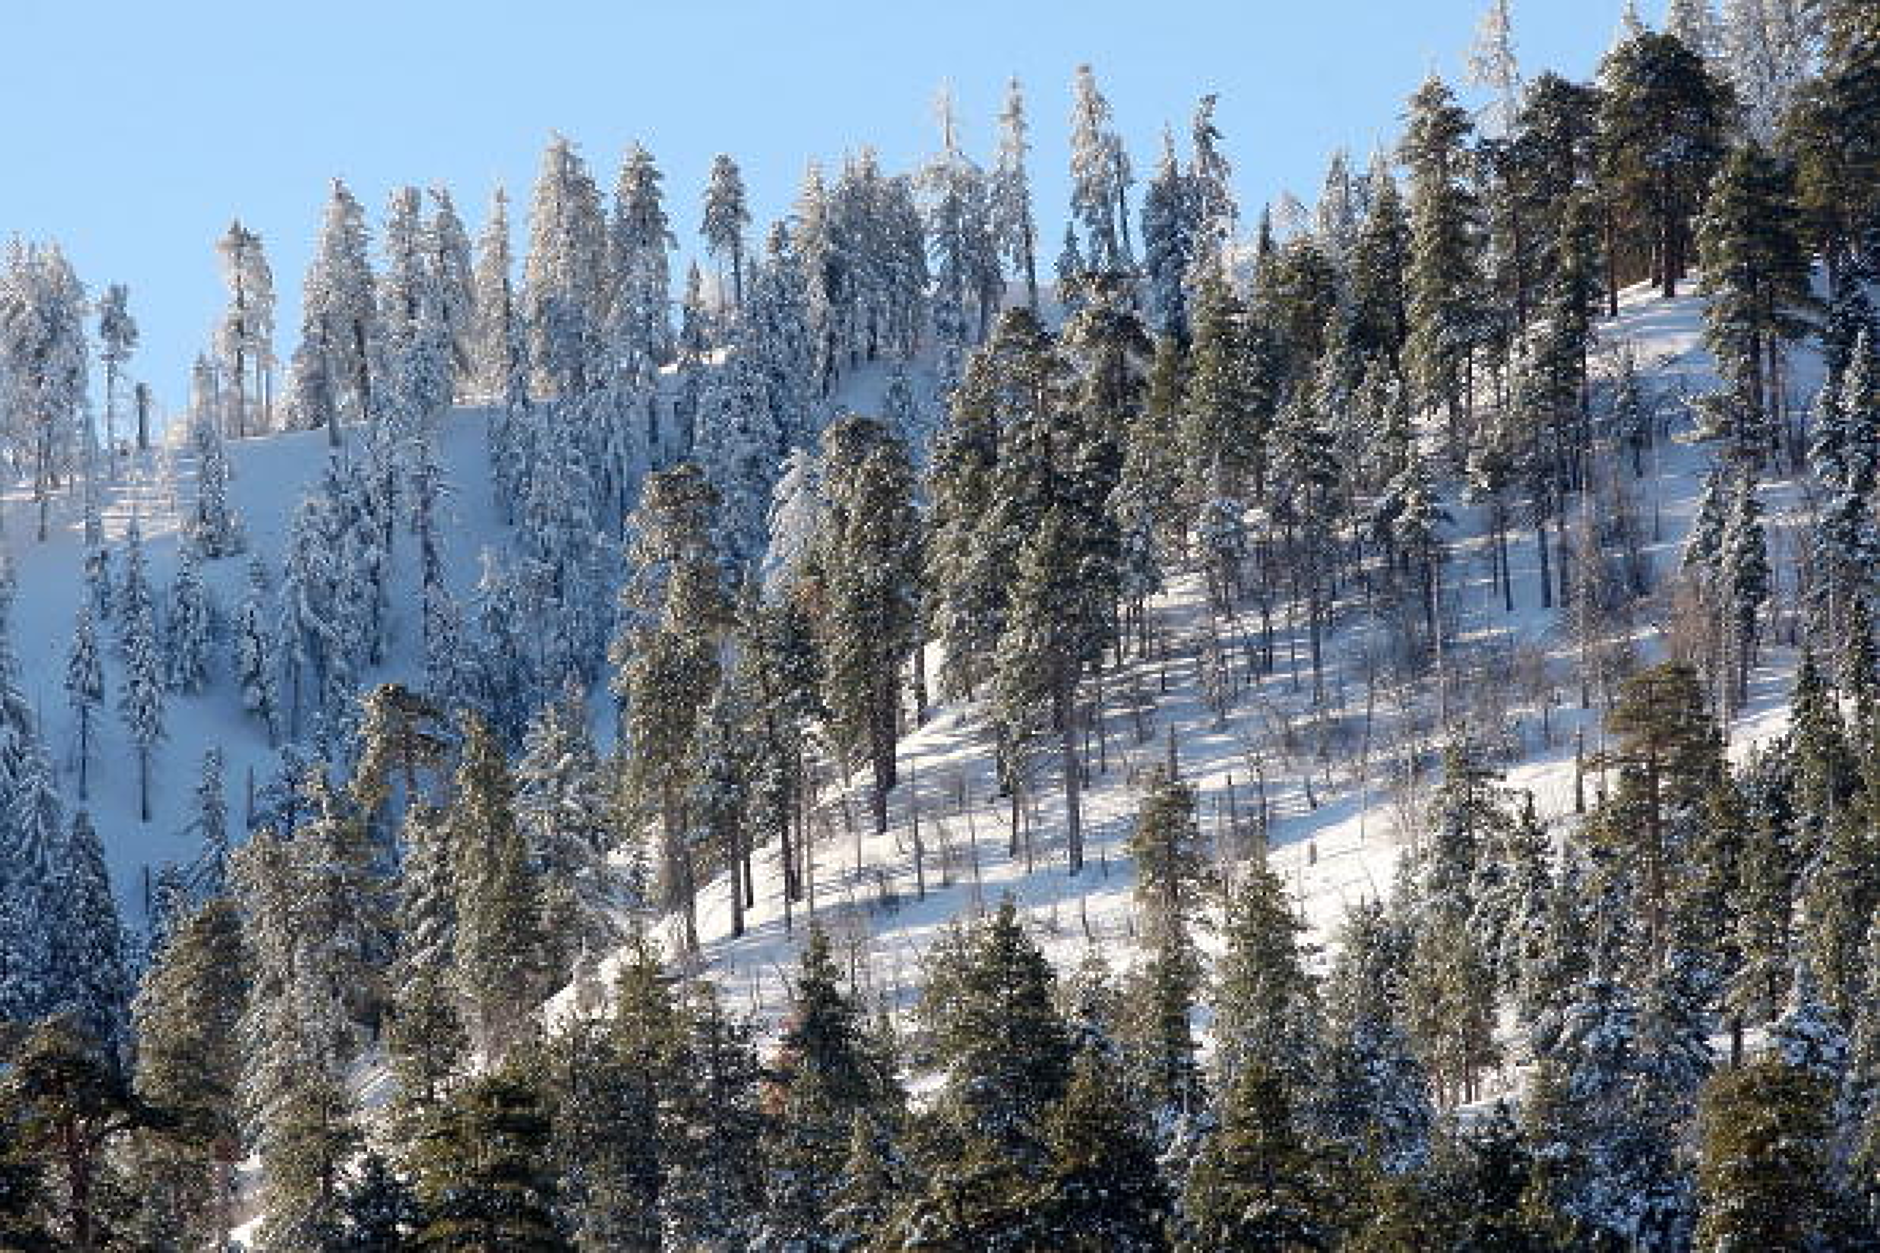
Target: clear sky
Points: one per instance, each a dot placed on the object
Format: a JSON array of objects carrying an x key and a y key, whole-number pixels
[{"x": 132, "y": 131}]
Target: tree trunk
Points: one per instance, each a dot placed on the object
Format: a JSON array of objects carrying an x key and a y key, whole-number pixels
[{"x": 1073, "y": 781}]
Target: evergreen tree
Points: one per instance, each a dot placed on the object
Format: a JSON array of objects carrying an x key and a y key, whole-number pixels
[
  {"x": 140, "y": 700},
  {"x": 1443, "y": 272},
  {"x": 84, "y": 688},
  {"x": 667, "y": 661},
  {"x": 563, "y": 297},
  {"x": 869, "y": 556},
  {"x": 1257, "y": 1184},
  {"x": 186, "y": 1017},
  {"x": 1661, "y": 121},
  {"x": 1761, "y": 1171},
  {"x": 340, "y": 329},
  {"x": 727, "y": 213},
  {"x": 1013, "y": 228},
  {"x": 1756, "y": 273},
  {"x": 823, "y": 1078},
  {"x": 1101, "y": 1188},
  {"x": 482, "y": 1182},
  {"x": 1100, "y": 176},
  {"x": 189, "y": 623},
  {"x": 501, "y": 943}
]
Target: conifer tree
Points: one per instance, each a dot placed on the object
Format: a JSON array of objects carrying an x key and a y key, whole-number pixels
[
  {"x": 1661, "y": 122},
  {"x": 1756, "y": 274},
  {"x": 1101, "y": 1187},
  {"x": 482, "y": 1183},
  {"x": 340, "y": 329},
  {"x": 1172, "y": 880},
  {"x": 667, "y": 660},
  {"x": 189, "y": 623},
  {"x": 1100, "y": 176},
  {"x": 1443, "y": 271},
  {"x": 727, "y": 213},
  {"x": 186, "y": 1017},
  {"x": 1760, "y": 1170},
  {"x": 84, "y": 688},
  {"x": 563, "y": 296},
  {"x": 255, "y": 662},
  {"x": 1265, "y": 999},
  {"x": 141, "y": 699},
  {"x": 1013, "y": 228},
  {"x": 1257, "y": 1184},
  {"x": 500, "y": 940},
  {"x": 823, "y": 1079},
  {"x": 869, "y": 555}
]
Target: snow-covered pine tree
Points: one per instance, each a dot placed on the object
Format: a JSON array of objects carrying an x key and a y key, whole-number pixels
[
  {"x": 117, "y": 335},
  {"x": 566, "y": 815},
  {"x": 140, "y": 698},
  {"x": 1100, "y": 176},
  {"x": 666, "y": 659},
  {"x": 564, "y": 292},
  {"x": 452, "y": 283},
  {"x": 1014, "y": 229},
  {"x": 868, "y": 556},
  {"x": 87, "y": 967},
  {"x": 84, "y": 689},
  {"x": 245, "y": 336},
  {"x": 189, "y": 625},
  {"x": 495, "y": 335},
  {"x": 1167, "y": 243},
  {"x": 213, "y": 525},
  {"x": 727, "y": 213},
  {"x": 43, "y": 362},
  {"x": 340, "y": 331},
  {"x": 640, "y": 241}
]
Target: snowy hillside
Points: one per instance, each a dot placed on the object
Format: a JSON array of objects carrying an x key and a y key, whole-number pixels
[{"x": 1333, "y": 821}]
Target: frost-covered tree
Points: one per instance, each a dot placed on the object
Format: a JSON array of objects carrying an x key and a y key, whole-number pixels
[
  {"x": 1494, "y": 66},
  {"x": 1014, "y": 229},
  {"x": 666, "y": 660},
  {"x": 796, "y": 521},
  {"x": 84, "y": 688},
  {"x": 43, "y": 369},
  {"x": 640, "y": 243},
  {"x": 340, "y": 329},
  {"x": 213, "y": 525},
  {"x": 726, "y": 215},
  {"x": 566, "y": 814},
  {"x": 1100, "y": 176},
  {"x": 740, "y": 443},
  {"x": 452, "y": 281},
  {"x": 496, "y": 348},
  {"x": 564, "y": 291},
  {"x": 245, "y": 336},
  {"x": 1167, "y": 243},
  {"x": 117, "y": 335},
  {"x": 140, "y": 698},
  {"x": 189, "y": 625}
]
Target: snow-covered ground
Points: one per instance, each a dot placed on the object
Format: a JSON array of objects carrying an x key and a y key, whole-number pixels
[
  {"x": 1334, "y": 846},
  {"x": 1333, "y": 832}
]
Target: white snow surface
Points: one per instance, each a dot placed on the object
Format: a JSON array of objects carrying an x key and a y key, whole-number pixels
[{"x": 1333, "y": 848}]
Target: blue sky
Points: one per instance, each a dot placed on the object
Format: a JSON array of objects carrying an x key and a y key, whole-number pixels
[{"x": 134, "y": 131}]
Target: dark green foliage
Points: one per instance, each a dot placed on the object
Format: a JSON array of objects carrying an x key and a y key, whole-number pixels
[
  {"x": 482, "y": 1168},
  {"x": 1258, "y": 1184},
  {"x": 1762, "y": 1173}
]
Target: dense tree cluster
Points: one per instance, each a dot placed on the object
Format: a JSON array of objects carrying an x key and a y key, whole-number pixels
[{"x": 454, "y": 883}]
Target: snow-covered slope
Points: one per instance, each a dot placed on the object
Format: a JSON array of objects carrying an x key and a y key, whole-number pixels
[{"x": 1334, "y": 830}]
